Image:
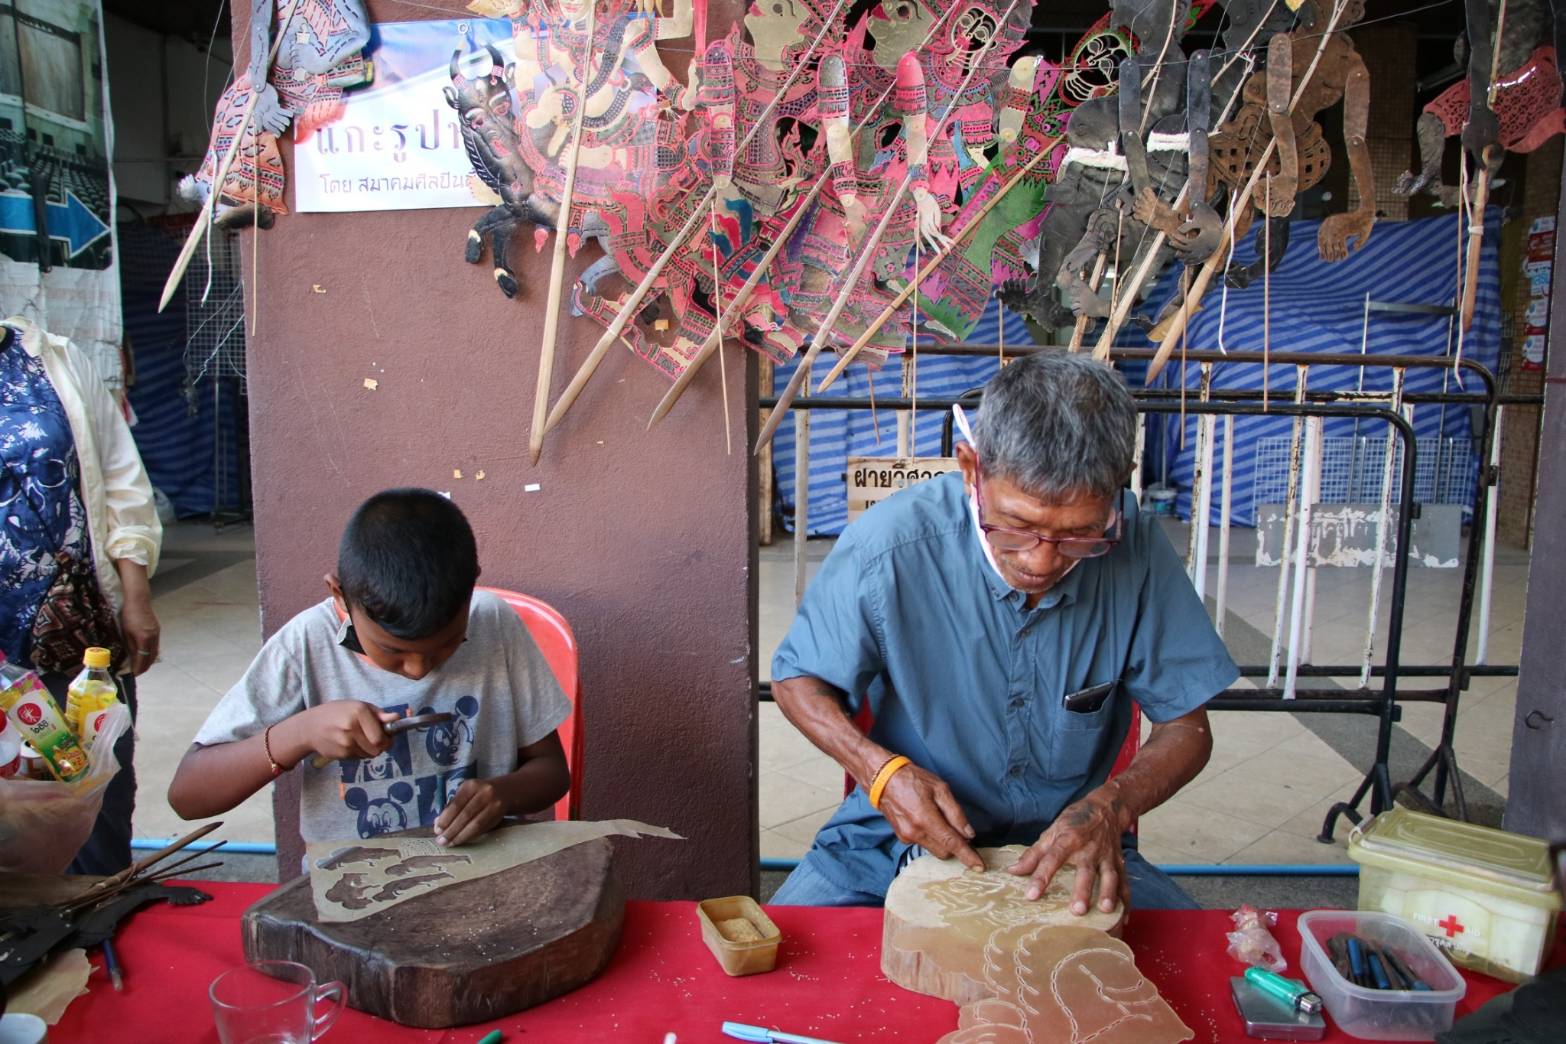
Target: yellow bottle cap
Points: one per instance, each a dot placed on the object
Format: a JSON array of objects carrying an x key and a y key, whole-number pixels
[{"x": 96, "y": 657}]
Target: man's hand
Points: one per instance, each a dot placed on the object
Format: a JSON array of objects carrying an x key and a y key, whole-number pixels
[
  {"x": 922, "y": 811},
  {"x": 473, "y": 811},
  {"x": 1086, "y": 836},
  {"x": 346, "y": 729}
]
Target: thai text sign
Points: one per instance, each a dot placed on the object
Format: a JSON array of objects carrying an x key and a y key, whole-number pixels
[
  {"x": 397, "y": 145},
  {"x": 873, "y": 479}
]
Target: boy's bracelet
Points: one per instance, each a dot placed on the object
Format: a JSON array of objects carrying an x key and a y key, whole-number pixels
[
  {"x": 266, "y": 742},
  {"x": 883, "y": 776}
]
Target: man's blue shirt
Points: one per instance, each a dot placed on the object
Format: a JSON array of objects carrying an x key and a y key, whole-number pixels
[{"x": 968, "y": 682}]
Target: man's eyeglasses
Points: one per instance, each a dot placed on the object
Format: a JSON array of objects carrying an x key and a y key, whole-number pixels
[{"x": 1003, "y": 539}]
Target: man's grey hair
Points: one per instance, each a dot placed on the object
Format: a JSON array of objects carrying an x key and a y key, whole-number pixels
[{"x": 1058, "y": 425}]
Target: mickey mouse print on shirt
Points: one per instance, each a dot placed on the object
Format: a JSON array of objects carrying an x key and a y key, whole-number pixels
[{"x": 411, "y": 782}]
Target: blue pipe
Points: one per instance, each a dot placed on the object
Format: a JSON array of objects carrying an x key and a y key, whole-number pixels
[
  {"x": 153, "y": 844},
  {"x": 1198, "y": 869}
]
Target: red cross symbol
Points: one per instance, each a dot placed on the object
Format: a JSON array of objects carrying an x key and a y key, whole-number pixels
[{"x": 1452, "y": 925}]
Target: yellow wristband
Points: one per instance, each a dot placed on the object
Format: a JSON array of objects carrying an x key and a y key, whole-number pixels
[{"x": 883, "y": 777}]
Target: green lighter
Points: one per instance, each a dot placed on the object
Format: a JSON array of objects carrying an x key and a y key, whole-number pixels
[{"x": 1293, "y": 993}]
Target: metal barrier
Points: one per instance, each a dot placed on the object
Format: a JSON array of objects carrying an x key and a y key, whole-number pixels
[{"x": 1372, "y": 406}]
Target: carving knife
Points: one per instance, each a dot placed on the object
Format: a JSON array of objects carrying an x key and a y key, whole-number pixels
[{"x": 418, "y": 721}]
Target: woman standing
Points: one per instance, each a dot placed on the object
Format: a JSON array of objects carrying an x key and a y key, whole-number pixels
[{"x": 72, "y": 487}]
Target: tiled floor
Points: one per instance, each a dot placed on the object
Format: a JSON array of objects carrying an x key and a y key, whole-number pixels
[
  {"x": 1260, "y": 800},
  {"x": 205, "y": 596}
]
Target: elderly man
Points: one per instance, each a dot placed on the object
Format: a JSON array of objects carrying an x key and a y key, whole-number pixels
[{"x": 998, "y": 625}]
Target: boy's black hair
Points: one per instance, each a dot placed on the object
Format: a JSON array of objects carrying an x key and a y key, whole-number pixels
[{"x": 408, "y": 560}]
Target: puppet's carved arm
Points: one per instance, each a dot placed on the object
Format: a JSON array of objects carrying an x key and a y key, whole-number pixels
[
  {"x": 1280, "y": 81},
  {"x": 832, "y": 95},
  {"x": 912, "y": 103},
  {"x": 1338, "y": 232},
  {"x": 1019, "y": 95}
]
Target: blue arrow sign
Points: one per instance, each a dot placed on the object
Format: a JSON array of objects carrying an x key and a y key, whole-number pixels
[{"x": 72, "y": 221}]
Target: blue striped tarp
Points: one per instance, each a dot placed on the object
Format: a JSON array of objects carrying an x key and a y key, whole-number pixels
[
  {"x": 836, "y": 435},
  {"x": 1315, "y": 306},
  {"x": 1320, "y": 307},
  {"x": 174, "y": 431}
]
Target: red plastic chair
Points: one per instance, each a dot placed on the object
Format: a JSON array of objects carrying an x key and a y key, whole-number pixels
[
  {"x": 1128, "y": 749},
  {"x": 555, "y": 640}
]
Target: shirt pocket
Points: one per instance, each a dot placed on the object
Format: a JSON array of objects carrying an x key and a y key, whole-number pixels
[{"x": 1077, "y": 737}]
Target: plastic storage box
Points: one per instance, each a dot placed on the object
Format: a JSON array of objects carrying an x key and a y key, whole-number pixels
[
  {"x": 1380, "y": 1014},
  {"x": 1486, "y": 897},
  {"x": 739, "y": 934}
]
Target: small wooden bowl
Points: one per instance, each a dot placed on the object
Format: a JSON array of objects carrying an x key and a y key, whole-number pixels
[{"x": 739, "y": 934}]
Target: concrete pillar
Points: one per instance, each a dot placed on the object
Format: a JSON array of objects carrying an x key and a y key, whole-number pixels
[{"x": 644, "y": 541}]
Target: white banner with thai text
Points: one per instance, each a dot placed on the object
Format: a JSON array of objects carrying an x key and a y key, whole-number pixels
[{"x": 397, "y": 145}]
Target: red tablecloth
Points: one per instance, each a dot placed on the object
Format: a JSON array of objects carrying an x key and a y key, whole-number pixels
[{"x": 827, "y": 983}]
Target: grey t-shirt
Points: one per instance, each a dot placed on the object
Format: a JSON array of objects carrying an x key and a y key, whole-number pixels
[{"x": 497, "y": 684}]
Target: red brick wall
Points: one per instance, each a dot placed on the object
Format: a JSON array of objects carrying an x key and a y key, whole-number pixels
[{"x": 1520, "y": 431}]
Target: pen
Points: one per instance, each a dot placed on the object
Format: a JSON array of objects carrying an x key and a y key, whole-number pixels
[
  {"x": 1356, "y": 951},
  {"x": 762, "y": 1035},
  {"x": 111, "y": 964},
  {"x": 1295, "y": 994}
]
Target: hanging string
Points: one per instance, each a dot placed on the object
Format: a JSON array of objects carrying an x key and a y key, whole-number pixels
[
  {"x": 911, "y": 373},
  {"x": 1267, "y": 293},
  {"x": 1000, "y": 331},
  {"x": 1185, "y": 288},
  {"x": 875, "y": 418},
  {"x": 255, "y": 239}
]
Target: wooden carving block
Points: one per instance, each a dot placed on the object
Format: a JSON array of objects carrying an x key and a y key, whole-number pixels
[
  {"x": 465, "y": 953},
  {"x": 940, "y": 916}
]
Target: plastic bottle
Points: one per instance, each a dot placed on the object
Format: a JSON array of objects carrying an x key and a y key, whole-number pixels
[
  {"x": 10, "y": 749},
  {"x": 91, "y": 691},
  {"x": 37, "y": 717}
]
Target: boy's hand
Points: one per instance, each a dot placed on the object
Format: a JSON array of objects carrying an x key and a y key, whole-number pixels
[
  {"x": 473, "y": 811},
  {"x": 348, "y": 729}
]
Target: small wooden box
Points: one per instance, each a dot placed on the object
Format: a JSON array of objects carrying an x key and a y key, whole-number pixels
[{"x": 745, "y": 952}]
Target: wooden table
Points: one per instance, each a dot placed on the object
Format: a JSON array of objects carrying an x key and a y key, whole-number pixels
[{"x": 827, "y": 983}]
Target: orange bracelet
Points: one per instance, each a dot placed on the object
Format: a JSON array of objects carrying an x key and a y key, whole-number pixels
[{"x": 883, "y": 777}]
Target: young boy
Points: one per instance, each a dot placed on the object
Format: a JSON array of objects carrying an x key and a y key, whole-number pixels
[{"x": 403, "y": 633}]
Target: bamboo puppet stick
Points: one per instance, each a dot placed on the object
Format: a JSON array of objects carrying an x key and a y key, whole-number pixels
[
  {"x": 715, "y": 339},
  {"x": 866, "y": 250},
  {"x": 1095, "y": 280},
  {"x": 546, "y": 358},
  {"x": 930, "y": 266},
  {"x": 1204, "y": 277},
  {"x": 698, "y": 213},
  {"x": 204, "y": 218},
  {"x": 1481, "y": 191},
  {"x": 1128, "y": 296}
]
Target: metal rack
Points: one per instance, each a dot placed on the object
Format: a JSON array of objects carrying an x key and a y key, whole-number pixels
[{"x": 1382, "y": 702}]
